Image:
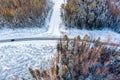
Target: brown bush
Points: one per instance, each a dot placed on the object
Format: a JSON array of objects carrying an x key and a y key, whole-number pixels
[
  {"x": 81, "y": 60},
  {"x": 91, "y": 14},
  {"x": 23, "y": 12}
]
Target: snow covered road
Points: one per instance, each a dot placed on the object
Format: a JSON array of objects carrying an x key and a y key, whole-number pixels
[{"x": 55, "y": 20}]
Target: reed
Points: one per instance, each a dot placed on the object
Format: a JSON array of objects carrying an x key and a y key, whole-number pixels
[{"x": 77, "y": 60}]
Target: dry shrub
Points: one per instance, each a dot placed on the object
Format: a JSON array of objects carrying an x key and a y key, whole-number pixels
[
  {"x": 79, "y": 59},
  {"x": 19, "y": 13},
  {"x": 91, "y": 14}
]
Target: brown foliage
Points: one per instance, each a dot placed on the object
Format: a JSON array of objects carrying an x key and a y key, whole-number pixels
[
  {"x": 17, "y": 12},
  {"x": 81, "y": 61},
  {"x": 91, "y": 14},
  {"x": 113, "y": 7}
]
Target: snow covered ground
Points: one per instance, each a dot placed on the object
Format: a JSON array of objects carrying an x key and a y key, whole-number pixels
[
  {"x": 56, "y": 29},
  {"x": 53, "y": 22},
  {"x": 104, "y": 34},
  {"x": 42, "y": 32},
  {"x": 17, "y": 57},
  {"x": 55, "y": 19},
  {"x": 7, "y": 33}
]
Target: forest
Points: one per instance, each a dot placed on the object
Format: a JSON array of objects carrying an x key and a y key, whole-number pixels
[
  {"x": 91, "y": 14},
  {"x": 23, "y": 13}
]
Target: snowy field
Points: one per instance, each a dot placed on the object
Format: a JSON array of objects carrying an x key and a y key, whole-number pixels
[
  {"x": 42, "y": 32},
  {"x": 6, "y": 33},
  {"x": 17, "y": 57},
  {"x": 104, "y": 34}
]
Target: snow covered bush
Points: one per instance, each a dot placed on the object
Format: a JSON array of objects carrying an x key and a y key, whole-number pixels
[
  {"x": 92, "y": 14},
  {"x": 81, "y": 60},
  {"x": 22, "y": 13}
]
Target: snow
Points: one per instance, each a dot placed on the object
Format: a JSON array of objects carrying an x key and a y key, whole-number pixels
[
  {"x": 41, "y": 32},
  {"x": 56, "y": 29},
  {"x": 17, "y": 57},
  {"x": 55, "y": 21},
  {"x": 104, "y": 34},
  {"x": 7, "y": 33},
  {"x": 53, "y": 24}
]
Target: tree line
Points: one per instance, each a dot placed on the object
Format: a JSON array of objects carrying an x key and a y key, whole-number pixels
[{"x": 91, "y": 14}]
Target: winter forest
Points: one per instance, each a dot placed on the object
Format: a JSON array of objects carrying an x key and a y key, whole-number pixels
[{"x": 59, "y": 39}]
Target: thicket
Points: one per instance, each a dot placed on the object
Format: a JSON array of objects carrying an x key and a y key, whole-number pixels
[
  {"x": 22, "y": 13},
  {"x": 92, "y": 14},
  {"x": 81, "y": 60}
]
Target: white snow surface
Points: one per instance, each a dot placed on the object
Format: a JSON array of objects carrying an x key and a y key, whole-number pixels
[
  {"x": 105, "y": 35},
  {"x": 7, "y": 33},
  {"x": 53, "y": 24},
  {"x": 55, "y": 21},
  {"x": 17, "y": 57},
  {"x": 56, "y": 29}
]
